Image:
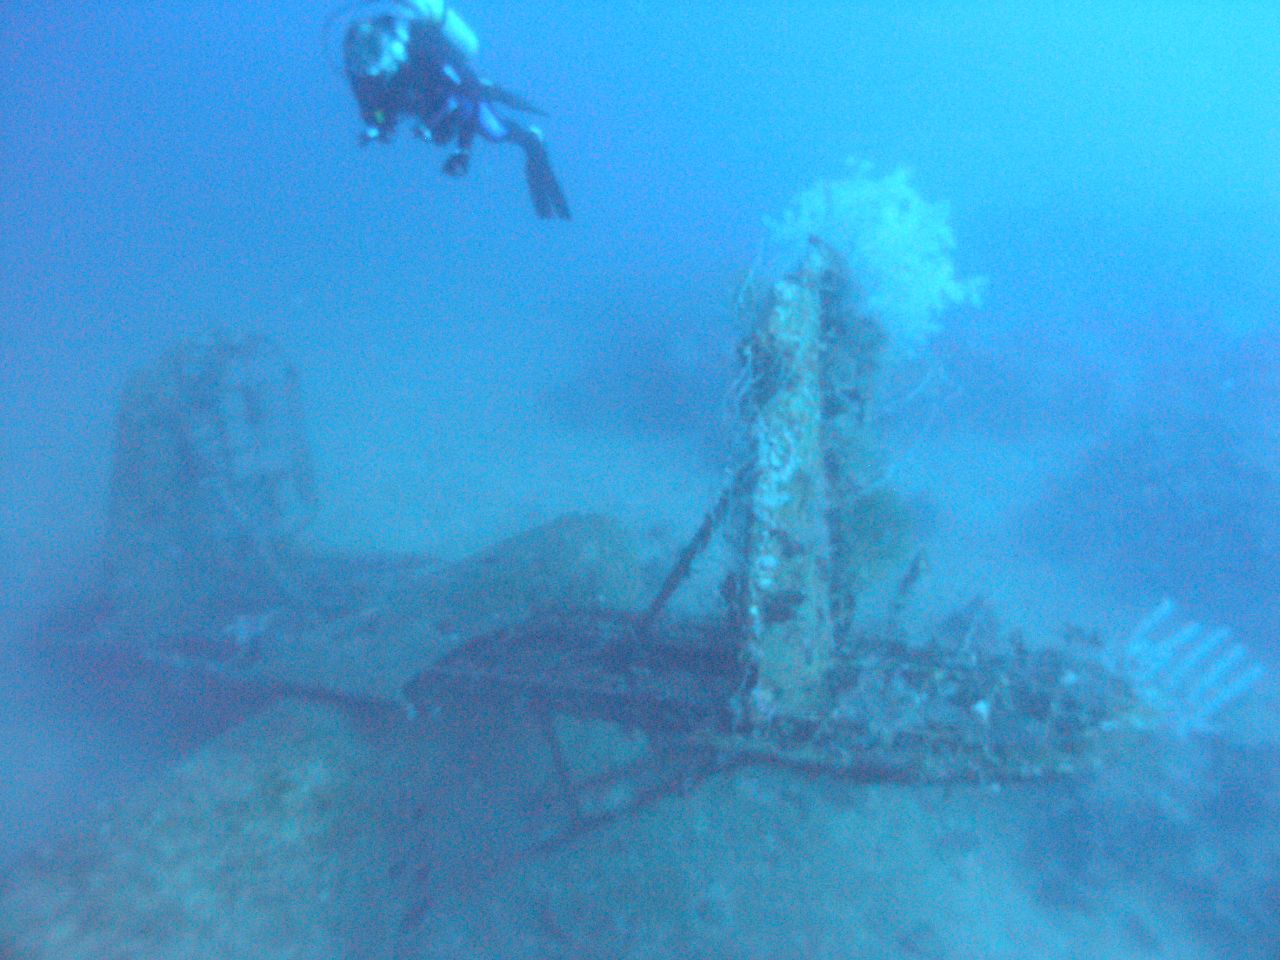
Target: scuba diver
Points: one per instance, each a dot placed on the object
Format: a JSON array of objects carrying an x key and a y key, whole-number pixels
[{"x": 414, "y": 61}]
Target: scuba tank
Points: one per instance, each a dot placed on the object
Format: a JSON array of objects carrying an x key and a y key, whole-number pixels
[
  {"x": 455, "y": 30},
  {"x": 375, "y": 45}
]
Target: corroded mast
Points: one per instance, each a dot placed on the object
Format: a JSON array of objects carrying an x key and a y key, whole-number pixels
[
  {"x": 810, "y": 365},
  {"x": 787, "y": 543}
]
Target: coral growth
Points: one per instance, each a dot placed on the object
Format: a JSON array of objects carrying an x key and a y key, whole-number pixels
[{"x": 898, "y": 246}]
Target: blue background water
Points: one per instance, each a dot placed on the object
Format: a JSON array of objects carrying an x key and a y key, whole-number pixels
[
  {"x": 171, "y": 168},
  {"x": 167, "y": 168}
]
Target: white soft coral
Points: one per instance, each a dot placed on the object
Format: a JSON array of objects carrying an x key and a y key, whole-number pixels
[{"x": 898, "y": 245}]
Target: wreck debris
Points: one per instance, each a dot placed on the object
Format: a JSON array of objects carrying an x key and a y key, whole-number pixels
[
  {"x": 900, "y": 714},
  {"x": 787, "y": 545},
  {"x": 1185, "y": 674},
  {"x": 790, "y": 676},
  {"x": 211, "y": 484},
  {"x": 207, "y": 569},
  {"x": 594, "y": 704},
  {"x": 679, "y": 573},
  {"x": 399, "y": 618},
  {"x": 553, "y": 622},
  {"x": 787, "y": 674}
]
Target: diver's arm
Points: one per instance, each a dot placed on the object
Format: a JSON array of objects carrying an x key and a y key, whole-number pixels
[
  {"x": 465, "y": 122},
  {"x": 459, "y": 160}
]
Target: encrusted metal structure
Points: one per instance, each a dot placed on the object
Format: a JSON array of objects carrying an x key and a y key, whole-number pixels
[
  {"x": 493, "y": 709},
  {"x": 786, "y": 535},
  {"x": 213, "y": 483},
  {"x": 788, "y": 675}
]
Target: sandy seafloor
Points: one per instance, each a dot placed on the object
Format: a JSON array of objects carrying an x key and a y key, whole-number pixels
[{"x": 1169, "y": 852}]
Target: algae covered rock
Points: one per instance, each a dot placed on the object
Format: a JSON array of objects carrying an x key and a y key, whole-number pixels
[{"x": 270, "y": 842}]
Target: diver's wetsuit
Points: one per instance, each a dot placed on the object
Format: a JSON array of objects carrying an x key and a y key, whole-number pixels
[{"x": 403, "y": 66}]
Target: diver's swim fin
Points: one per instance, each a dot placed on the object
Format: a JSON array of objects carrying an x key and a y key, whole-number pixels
[{"x": 544, "y": 188}]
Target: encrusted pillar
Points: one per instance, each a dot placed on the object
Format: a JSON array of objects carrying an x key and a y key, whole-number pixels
[{"x": 786, "y": 577}]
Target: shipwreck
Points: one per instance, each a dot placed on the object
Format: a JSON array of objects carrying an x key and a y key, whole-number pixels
[{"x": 592, "y": 697}]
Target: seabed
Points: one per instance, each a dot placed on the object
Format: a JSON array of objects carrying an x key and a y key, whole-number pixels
[{"x": 545, "y": 750}]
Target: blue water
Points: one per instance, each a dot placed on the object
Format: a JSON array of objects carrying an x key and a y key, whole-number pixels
[{"x": 1110, "y": 168}]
